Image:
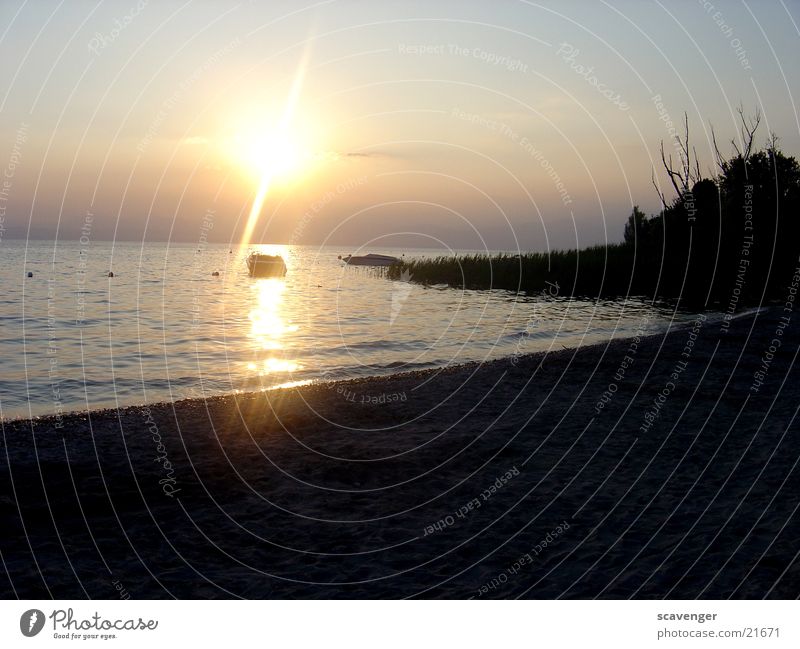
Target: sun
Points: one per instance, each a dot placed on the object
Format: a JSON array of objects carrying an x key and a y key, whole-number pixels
[
  {"x": 279, "y": 155},
  {"x": 271, "y": 159}
]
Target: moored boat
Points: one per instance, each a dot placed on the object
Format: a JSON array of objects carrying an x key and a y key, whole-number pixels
[
  {"x": 261, "y": 265},
  {"x": 370, "y": 260}
]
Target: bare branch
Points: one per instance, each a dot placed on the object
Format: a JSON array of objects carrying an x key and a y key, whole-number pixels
[
  {"x": 736, "y": 148},
  {"x": 749, "y": 128},
  {"x": 687, "y": 159},
  {"x": 658, "y": 191},
  {"x": 688, "y": 172},
  {"x": 673, "y": 175},
  {"x": 698, "y": 175},
  {"x": 721, "y": 163},
  {"x": 772, "y": 142}
]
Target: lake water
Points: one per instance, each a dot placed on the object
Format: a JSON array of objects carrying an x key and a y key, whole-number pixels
[{"x": 163, "y": 328}]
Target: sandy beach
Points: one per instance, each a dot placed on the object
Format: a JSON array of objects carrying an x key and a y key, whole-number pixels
[{"x": 651, "y": 467}]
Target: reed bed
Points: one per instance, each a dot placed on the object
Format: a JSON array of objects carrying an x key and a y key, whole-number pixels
[{"x": 598, "y": 270}]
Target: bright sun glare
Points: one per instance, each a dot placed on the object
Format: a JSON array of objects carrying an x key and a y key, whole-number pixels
[
  {"x": 276, "y": 152},
  {"x": 280, "y": 156}
]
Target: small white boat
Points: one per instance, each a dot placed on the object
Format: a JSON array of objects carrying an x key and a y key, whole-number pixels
[
  {"x": 370, "y": 260},
  {"x": 261, "y": 265}
]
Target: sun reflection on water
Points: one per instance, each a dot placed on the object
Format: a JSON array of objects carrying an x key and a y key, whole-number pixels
[{"x": 267, "y": 329}]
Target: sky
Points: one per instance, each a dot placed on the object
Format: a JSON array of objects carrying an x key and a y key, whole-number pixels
[{"x": 450, "y": 124}]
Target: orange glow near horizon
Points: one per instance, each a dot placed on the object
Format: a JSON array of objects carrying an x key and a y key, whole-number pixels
[{"x": 277, "y": 153}]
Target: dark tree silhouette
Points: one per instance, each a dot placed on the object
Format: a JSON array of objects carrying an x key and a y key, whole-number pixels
[
  {"x": 736, "y": 235},
  {"x": 636, "y": 226}
]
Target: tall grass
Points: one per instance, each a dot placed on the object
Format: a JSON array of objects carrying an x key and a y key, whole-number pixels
[{"x": 599, "y": 270}]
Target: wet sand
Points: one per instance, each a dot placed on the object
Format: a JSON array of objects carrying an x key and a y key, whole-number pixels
[{"x": 649, "y": 471}]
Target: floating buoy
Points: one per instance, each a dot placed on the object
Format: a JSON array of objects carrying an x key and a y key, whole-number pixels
[
  {"x": 215, "y": 273},
  {"x": 110, "y": 274},
  {"x": 30, "y": 274}
]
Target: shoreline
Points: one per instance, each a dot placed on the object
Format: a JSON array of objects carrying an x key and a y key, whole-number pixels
[
  {"x": 375, "y": 378},
  {"x": 432, "y": 483}
]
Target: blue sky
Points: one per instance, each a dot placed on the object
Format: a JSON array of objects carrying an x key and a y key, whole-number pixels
[{"x": 469, "y": 123}]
